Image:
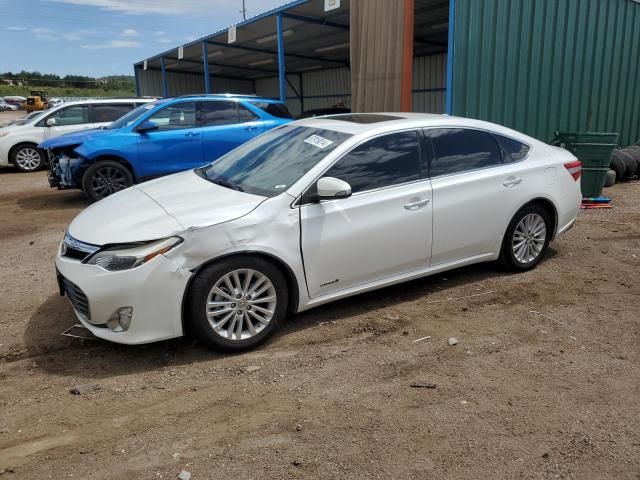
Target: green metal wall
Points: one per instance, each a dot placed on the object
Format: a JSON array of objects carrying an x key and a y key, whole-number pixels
[{"x": 544, "y": 65}]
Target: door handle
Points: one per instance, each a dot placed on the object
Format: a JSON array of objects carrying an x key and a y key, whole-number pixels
[
  {"x": 416, "y": 205},
  {"x": 250, "y": 128},
  {"x": 512, "y": 182},
  {"x": 191, "y": 134}
]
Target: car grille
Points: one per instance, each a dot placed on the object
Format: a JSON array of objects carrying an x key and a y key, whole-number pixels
[{"x": 77, "y": 297}]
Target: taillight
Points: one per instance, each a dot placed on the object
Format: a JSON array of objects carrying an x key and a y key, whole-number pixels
[{"x": 574, "y": 168}]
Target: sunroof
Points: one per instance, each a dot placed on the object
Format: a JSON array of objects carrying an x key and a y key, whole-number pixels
[{"x": 364, "y": 117}]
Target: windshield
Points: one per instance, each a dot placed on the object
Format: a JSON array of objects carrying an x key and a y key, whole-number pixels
[
  {"x": 272, "y": 162},
  {"x": 127, "y": 119}
]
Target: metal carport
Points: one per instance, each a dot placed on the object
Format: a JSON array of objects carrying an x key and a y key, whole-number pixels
[{"x": 298, "y": 53}]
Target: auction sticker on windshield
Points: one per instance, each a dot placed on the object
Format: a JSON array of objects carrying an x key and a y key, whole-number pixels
[{"x": 318, "y": 141}]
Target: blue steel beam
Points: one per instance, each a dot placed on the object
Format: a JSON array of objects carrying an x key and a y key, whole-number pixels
[
  {"x": 450, "y": 54},
  {"x": 205, "y": 66},
  {"x": 165, "y": 86},
  {"x": 282, "y": 74}
]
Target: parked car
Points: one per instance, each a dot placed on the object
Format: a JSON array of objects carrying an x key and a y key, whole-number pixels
[
  {"x": 16, "y": 100},
  {"x": 54, "y": 102},
  {"x": 157, "y": 139},
  {"x": 308, "y": 213},
  {"x": 7, "y": 106},
  {"x": 19, "y": 142}
]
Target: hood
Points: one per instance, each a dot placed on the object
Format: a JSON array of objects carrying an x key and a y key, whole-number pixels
[
  {"x": 159, "y": 209},
  {"x": 75, "y": 138}
]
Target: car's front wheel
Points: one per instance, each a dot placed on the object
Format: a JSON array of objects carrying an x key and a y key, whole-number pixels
[
  {"x": 527, "y": 238},
  {"x": 105, "y": 178},
  {"x": 27, "y": 158},
  {"x": 237, "y": 303}
]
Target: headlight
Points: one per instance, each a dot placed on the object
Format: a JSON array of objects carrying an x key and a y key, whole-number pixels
[{"x": 125, "y": 257}]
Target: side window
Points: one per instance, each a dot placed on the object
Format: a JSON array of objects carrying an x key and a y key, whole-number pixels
[
  {"x": 107, "y": 112},
  {"x": 73, "y": 115},
  {"x": 462, "y": 149},
  {"x": 218, "y": 112},
  {"x": 512, "y": 150},
  {"x": 381, "y": 162},
  {"x": 245, "y": 115},
  {"x": 176, "y": 116}
]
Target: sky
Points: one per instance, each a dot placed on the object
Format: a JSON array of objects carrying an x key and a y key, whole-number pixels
[{"x": 105, "y": 37}]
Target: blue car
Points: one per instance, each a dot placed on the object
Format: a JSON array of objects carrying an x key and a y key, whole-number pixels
[{"x": 157, "y": 139}]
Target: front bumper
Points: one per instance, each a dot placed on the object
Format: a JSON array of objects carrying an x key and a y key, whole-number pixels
[{"x": 154, "y": 290}]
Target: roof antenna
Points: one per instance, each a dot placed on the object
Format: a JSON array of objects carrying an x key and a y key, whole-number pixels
[{"x": 243, "y": 11}]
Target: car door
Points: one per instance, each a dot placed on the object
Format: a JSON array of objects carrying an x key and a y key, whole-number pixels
[
  {"x": 226, "y": 124},
  {"x": 474, "y": 193},
  {"x": 175, "y": 145},
  {"x": 66, "y": 120},
  {"x": 383, "y": 229}
]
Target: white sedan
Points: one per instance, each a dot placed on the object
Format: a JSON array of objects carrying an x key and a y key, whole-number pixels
[{"x": 308, "y": 213}]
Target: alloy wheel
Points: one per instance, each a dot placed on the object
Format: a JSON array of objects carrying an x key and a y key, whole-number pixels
[
  {"x": 529, "y": 238},
  {"x": 108, "y": 180},
  {"x": 28, "y": 158},
  {"x": 241, "y": 304}
]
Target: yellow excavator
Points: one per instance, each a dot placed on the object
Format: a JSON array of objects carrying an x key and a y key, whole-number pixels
[{"x": 37, "y": 100}]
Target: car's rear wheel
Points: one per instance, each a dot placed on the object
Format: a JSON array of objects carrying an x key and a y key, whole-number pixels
[
  {"x": 527, "y": 238},
  {"x": 27, "y": 158},
  {"x": 237, "y": 303},
  {"x": 105, "y": 178}
]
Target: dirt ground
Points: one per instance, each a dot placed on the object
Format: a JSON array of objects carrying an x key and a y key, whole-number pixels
[{"x": 544, "y": 382}]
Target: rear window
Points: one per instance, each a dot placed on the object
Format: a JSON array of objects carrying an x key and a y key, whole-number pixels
[
  {"x": 274, "y": 109},
  {"x": 512, "y": 150},
  {"x": 108, "y": 112}
]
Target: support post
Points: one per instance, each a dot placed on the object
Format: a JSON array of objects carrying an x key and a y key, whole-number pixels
[
  {"x": 205, "y": 66},
  {"x": 450, "y": 55},
  {"x": 165, "y": 86},
  {"x": 136, "y": 74},
  {"x": 407, "y": 57},
  {"x": 281, "y": 67}
]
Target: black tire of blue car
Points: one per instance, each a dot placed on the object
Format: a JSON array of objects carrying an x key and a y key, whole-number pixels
[
  {"x": 27, "y": 157},
  {"x": 105, "y": 178},
  {"x": 508, "y": 259},
  {"x": 198, "y": 303}
]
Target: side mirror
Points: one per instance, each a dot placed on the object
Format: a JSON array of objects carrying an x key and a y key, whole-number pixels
[
  {"x": 147, "y": 126},
  {"x": 51, "y": 122},
  {"x": 331, "y": 188}
]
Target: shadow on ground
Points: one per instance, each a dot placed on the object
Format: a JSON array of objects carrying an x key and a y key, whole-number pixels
[
  {"x": 55, "y": 199},
  {"x": 99, "y": 359}
]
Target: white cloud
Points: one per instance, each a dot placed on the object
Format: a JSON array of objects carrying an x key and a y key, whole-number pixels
[
  {"x": 129, "y": 32},
  {"x": 171, "y": 7},
  {"x": 158, "y": 33},
  {"x": 113, "y": 44},
  {"x": 165, "y": 40},
  {"x": 43, "y": 33},
  {"x": 16, "y": 29}
]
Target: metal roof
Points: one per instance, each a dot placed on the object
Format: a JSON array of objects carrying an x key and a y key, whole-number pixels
[{"x": 313, "y": 40}]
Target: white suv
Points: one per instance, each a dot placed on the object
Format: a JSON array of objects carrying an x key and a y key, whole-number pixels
[{"x": 19, "y": 142}]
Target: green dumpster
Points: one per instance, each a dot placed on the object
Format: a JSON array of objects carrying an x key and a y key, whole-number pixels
[{"x": 594, "y": 150}]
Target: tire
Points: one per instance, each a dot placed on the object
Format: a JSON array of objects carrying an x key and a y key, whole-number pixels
[
  {"x": 27, "y": 157},
  {"x": 520, "y": 226},
  {"x": 634, "y": 152},
  {"x": 217, "y": 326},
  {"x": 618, "y": 166},
  {"x": 610, "y": 181},
  {"x": 105, "y": 178}
]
